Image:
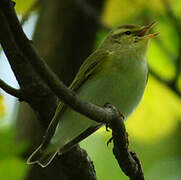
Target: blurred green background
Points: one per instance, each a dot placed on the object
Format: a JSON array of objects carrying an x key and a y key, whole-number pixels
[{"x": 154, "y": 129}]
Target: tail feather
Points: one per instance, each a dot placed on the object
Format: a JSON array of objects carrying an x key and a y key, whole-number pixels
[
  {"x": 40, "y": 157},
  {"x": 35, "y": 156}
]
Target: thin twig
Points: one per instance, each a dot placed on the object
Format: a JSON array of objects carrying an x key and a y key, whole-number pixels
[
  {"x": 176, "y": 23},
  {"x": 12, "y": 91},
  {"x": 169, "y": 84},
  {"x": 172, "y": 16}
]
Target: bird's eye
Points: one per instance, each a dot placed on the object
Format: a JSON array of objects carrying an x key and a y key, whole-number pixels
[{"x": 127, "y": 32}]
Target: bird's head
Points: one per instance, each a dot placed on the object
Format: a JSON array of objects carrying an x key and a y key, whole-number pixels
[{"x": 129, "y": 37}]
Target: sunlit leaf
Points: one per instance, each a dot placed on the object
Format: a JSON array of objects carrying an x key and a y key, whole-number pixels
[
  {"x": 2, "y": 107},
  {"x": 22, "y": 6},
  {"x": 13, "y": 168},
  {"x": 8, "y": 144},
  {"x": 116, "y": 10},
  {"x": 176, "y": 4},
  {"x": 160, "y": 62},
  {"x": 157, "y": 115},
  {"x": 168, "y": 34}
]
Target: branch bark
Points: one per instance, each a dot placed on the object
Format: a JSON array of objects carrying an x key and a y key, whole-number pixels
[
  {"x": 127, "y": 160},
  {"x": 12, "y": 91}
]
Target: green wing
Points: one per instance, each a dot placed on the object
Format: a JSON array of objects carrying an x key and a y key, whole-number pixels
[{"x": 88, "y": 68}]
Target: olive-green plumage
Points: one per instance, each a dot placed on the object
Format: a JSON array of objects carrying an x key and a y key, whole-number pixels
[{"x": 115, "y": 73}]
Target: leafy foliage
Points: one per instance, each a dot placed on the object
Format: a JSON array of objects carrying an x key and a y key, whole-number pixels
[
  {"x": 23, "y": 6},
  {"x": 2, "y": 107},
  {"x": 12, "y": 166}
]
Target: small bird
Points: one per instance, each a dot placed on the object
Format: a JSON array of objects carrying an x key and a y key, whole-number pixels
[{"x": 116, "y": 72}]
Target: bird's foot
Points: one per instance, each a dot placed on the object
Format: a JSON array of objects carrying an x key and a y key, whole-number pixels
[
  {"x": 127, "y": 139},
  {"x": 121, "y": 115},
  {"x": 107, "y": 127},
  {"x": 109, "y": 141}
]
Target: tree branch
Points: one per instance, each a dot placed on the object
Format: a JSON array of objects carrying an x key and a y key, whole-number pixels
[
  {"x": 38, "y": 95},
  {"x": 36, "y": 92},
  {"x": 64, "y": 93},
  {"x": 12, "y": 91},
  {"x": 172, "y": 16},
  {"x": 128, "y": 161},
  {"x": 169, "y": 84}
]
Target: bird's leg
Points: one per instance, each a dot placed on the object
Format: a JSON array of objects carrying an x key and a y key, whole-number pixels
[
  {"x": 127, "y": 136},
  {"x": 108, "y": 130},
  {"x": 127, "y": 139},
  {"x": 121, "y": 115},
  {"x": 106, "y": 105},
  {"x": 107, "y": 127},
  {"x": 109, "y": 105},
  {"x": 109, "y": 141}
]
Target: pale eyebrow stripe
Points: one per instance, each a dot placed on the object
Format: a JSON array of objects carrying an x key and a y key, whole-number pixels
[
  {"x": 128, "y": 26},
  {"x": 118, "y": 31}
]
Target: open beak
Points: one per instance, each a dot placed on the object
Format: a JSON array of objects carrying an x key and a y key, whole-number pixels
[{"x": 144, "y": 30}]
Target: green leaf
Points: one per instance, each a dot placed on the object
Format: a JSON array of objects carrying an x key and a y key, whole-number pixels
[
  {"x": 8, "y": 144},
  {"x": 157, "y": 115},
  {"x": 13, "y": 169},
  {"x": 22, "y": 6},
  {"x": 2, "y": 106}
]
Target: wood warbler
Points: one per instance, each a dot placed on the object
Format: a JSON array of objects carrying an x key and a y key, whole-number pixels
[{"x": 116, "y": 73}]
